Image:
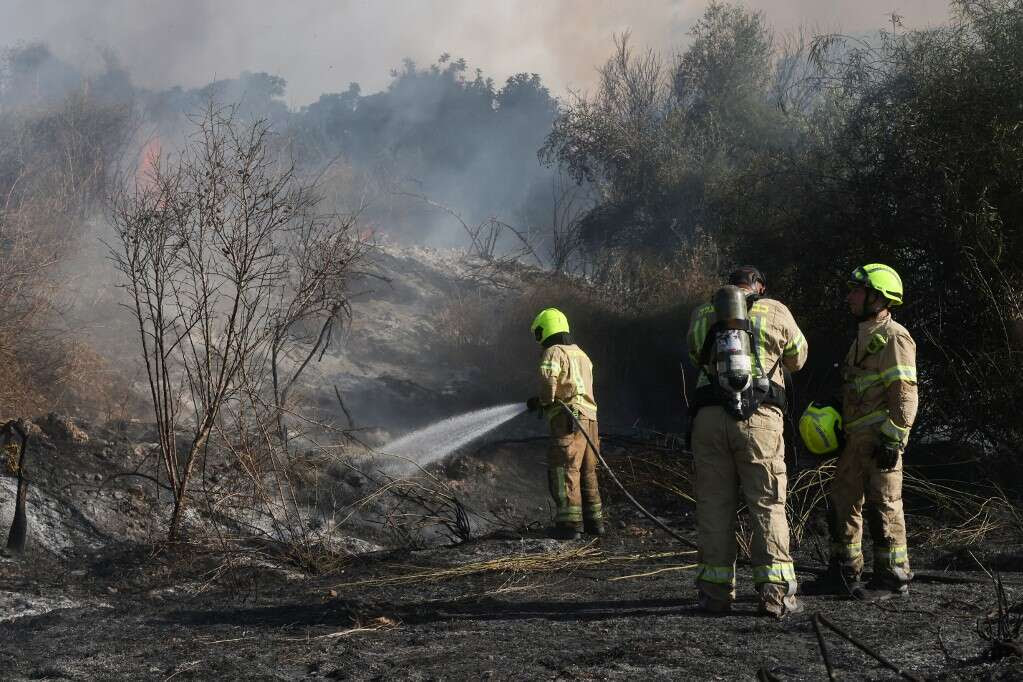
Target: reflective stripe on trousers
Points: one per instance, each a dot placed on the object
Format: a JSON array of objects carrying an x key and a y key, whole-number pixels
[
  {"x": 846, "y": 552},
  {"x": 719, "y": 575},
  {"x": 783, "y": 573},
  {"x": 891, "y": 556}
]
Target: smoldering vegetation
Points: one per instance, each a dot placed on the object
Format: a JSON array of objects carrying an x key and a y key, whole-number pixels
[{"x": 242, "y": 303}]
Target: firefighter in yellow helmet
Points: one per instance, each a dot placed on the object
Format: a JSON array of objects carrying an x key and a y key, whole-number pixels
[
  {"x": 566, "y": 374},
  {"x": 741, "y": 342},
  {"x": 879, "y": 404}
]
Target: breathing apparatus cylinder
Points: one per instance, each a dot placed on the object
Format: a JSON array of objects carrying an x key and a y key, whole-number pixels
[{"x": 732, "y": 356}]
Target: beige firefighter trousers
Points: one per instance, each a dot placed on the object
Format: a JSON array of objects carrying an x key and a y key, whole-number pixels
[
  {"x": 857, "y": 479},
  {"x": 572, "y": 472},
  {"x": 728, "y": 454}
]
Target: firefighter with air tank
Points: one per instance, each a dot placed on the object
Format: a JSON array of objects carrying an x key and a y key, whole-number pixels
[
  {"x": 878, "y": 407},
  {"x": 741, "y": 342}
]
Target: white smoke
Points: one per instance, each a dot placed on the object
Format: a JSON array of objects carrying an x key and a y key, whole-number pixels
[{"x": 322, "y": 45}]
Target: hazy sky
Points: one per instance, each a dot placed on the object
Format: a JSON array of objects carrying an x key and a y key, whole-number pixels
[{"x": 322, "y": 45}]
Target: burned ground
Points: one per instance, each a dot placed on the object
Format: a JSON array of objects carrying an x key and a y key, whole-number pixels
[{"x": 96, "y": 596}]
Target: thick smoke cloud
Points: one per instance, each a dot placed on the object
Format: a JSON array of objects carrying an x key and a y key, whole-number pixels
[{"x": 322, "y": 45}]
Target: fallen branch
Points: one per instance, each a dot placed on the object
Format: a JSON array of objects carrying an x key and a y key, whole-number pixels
[
  {"x": 870, "y": 652},
  {"x": 823, "y": 646}
]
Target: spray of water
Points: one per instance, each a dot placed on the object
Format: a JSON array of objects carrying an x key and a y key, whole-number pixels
[{"x": 434, "y": 442}]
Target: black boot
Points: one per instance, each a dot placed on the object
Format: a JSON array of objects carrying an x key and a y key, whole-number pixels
[
  {"x": 833, "y": 582},
  {"x": 593, "y": 526},
  {"x": 885, "y": 585}
]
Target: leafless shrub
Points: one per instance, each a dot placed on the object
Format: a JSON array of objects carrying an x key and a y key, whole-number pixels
[
  {"x": 1002, "y": 628},
  {"x": 636, "y": 281},
  {"x": 496, "y": 252},
  {"x": 235, "y": 281},
  {"x": 569, "y": 203}
]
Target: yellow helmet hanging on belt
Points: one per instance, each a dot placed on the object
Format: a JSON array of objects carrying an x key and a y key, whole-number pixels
[
  {"x": 820, "y": 427},
  {"x": 548, "y": 321}
]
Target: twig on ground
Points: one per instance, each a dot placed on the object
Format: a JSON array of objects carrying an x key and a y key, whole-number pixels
[
  {"x": 650, "y": 573},
  {"x": 944, "y": 650},
  {"x": 869, "y": 651},
  {"x": 824, "y": 647},
  {"x": 383, "y": 623},
  {"x": 183, "y": 668}
]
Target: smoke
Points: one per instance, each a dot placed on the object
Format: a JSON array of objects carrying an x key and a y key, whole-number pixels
[
  {"x": 322, "y": 45},
  {"x": 421, "y": 136}
]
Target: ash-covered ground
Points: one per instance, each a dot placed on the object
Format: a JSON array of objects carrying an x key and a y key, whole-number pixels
[{"x": 98, "y": 595}]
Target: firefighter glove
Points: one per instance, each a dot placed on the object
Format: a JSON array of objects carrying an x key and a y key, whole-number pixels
[{"x": 533, "y": 405}]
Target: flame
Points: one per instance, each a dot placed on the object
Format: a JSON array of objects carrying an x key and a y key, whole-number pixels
[{"x": 149, "y": 158}]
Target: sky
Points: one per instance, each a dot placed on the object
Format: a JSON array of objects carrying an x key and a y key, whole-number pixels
[{"x": 322, "y": 45}]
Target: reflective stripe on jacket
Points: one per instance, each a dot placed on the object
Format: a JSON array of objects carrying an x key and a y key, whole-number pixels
[
  {"x": 566, "y": 373},
  {"x": 880, "y": 390}
]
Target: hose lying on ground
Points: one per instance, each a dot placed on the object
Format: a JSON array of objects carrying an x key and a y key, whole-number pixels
[{"x": 611, "y": 473}]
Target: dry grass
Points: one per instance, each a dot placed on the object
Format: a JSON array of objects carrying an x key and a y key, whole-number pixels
[
  {"x": 561, "y": 559},
  {"x": 966, "y": 515}
]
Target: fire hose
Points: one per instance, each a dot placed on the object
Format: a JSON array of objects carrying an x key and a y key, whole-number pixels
[{"x": 611, "y": 473}]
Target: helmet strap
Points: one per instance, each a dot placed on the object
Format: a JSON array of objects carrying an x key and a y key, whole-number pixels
[{"x": 873, "y": 304}]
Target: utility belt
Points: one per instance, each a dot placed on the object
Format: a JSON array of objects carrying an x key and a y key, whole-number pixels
[{"x": 762, "y": 392}]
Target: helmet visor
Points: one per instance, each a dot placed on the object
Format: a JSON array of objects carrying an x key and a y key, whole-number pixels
[{"x": 859, "y": 277}]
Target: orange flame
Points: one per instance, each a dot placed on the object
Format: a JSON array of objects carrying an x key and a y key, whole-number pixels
[{"x": 145, "y": 176}]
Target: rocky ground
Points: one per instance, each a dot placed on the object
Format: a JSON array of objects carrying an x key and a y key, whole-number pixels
[{"x": 97, "y": 595}]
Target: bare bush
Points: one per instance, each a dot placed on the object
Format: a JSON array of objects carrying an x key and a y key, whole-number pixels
[{"x": 230, "y": 270}]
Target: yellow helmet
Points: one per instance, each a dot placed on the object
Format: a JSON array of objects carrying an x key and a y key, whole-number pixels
[
  {"x": 820, "y": 427},
  {"x": 881, "y": 278},
  {"x": 548, "y": 321}
]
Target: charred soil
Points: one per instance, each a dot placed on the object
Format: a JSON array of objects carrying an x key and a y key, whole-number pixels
[{"x": 115, "y": 603}]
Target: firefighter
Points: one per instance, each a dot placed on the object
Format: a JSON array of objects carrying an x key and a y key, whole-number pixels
[
  {"x": 741, "y": 343},
  {"x": 879, "y": 404},
  {"x": 566, "y": 374}
]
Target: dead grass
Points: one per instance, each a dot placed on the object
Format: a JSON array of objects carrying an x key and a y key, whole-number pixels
[{"x": 561, "y": 559}]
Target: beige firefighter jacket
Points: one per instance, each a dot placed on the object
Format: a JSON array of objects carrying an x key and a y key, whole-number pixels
[
  {"x": 775, "y": 334},
  {"x": 566, "y": 373},
  {"x": 879, "y": 391}
]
